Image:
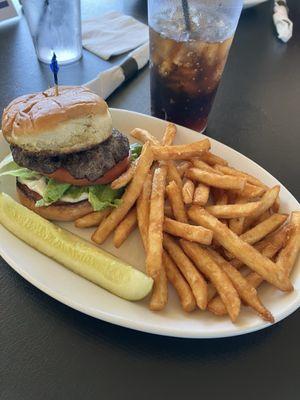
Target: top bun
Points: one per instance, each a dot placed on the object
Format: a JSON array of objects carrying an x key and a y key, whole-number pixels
[{"x": 74, "y": 120}]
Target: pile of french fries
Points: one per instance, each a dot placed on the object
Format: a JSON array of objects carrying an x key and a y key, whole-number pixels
[{"x": 214, "y": 232}]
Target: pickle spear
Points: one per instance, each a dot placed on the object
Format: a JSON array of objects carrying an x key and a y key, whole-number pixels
[{"x": 73, "y": 252}]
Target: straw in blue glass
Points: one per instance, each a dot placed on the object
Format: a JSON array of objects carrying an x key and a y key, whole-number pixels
[{"x": 55, "y": 68}]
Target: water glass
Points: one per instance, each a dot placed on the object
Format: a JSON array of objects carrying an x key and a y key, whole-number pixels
[{"x": 55, "y": 26}]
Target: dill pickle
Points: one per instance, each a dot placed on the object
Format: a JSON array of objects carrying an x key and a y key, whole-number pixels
[{"x": 74, "y": 253}]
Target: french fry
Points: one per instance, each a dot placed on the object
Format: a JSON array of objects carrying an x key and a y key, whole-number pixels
[
  {"x": 126, "y": 177},
  {"x": 216, "y": 275},
  {"x": 264, "y": 228},
  {"x": 124, "y": 229},
  {"x": 250, "y": 222},
  {"x": 250, "y": 191},
  {"x": 237, "y": 224},
  {"x": 262, "y": 206},
  {"x": 181, "y": 151},
  {"x": 201, "y": 194},
  {"x": 220, "y": 196},
  {"x": 266, "y": 202},
  {"x": 254, "y": 279},
  {"x": 276, "y": 205},
  {"x": 194, "y": 278},
  {"x": 154, "y": 265},
  {"x": 241, "y": 250},
  {"x": 211, "y": 292},
  {"x": 288, "y": 255},
  {"x": 144, "y": 136},
  {"x": 279, "y": 236},
  {"x": 233, "y": 210},
  {"x": 269, "y": 246},
  {"x": 232, "y": 197},
  {"x": 142, "y": 209},
  {"x": 173, "y": 174},
  {"x": 175, "y": 199},
  {"x": 159, "y": 297},
  {"x": 238, "y": 199},
  {"x": 197, "y": 163},
  {"x": 262, "y": 217},
  {"x": 188, "y": 190},
  {"x": 182, "y": 167},
  {"x": 181, "y": 286},
  {"x": 212, "y": 159},
  {"x": 270, "y": 249},
  {"x": 261, "y": 230},
  {"x": 246, "y": 291},
  {"x": 130, "y": 196},
  {"x": 169, "y": 211},
  {"x": 215, "y": 180},
  {"x": 189, "y": 232},
  {"x": 92, "y": 219},
  {"x": 235, "y": 172},
  {"x": 169, "y": 134}
]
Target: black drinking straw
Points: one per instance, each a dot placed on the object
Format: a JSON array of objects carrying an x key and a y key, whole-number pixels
[{"x": 186, "y": 14}]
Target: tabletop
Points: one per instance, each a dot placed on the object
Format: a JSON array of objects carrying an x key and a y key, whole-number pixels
[{"x": 50, "y": 351}]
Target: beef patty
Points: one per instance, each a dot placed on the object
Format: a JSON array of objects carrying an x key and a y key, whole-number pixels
[{"x": 90, "y": 164}]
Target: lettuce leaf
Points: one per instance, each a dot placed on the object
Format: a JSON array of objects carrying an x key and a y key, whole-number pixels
[
  {"x": 100, "y": 196},
  {"x": 135, "y": 151},
  {"x": 54, "y": 191},
  {"x": 76, "y": 191},
  {"x": 103, "y": 196},
  {"x": 6, "y": 160},
  {"x": 14, "y": 169}
]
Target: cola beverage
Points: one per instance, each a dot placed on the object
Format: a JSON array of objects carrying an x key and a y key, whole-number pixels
[{"x": 186, "y": 65}]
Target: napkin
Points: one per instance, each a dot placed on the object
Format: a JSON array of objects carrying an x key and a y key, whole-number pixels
[
  {"x": 108, "y": 81},
  {"x": 283, "y": 24},
  {"x": 113, "y": 33}
]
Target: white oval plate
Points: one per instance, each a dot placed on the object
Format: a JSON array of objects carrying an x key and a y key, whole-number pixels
[
  {"x": 252, "y": 3},
  {"x": 88, "y": 298}
]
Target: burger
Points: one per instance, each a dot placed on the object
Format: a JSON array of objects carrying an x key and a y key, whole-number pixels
[{"x": 65, "y": 152}]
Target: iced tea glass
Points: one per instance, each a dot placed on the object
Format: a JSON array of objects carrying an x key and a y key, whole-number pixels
[{"x": 189, "y": 45}]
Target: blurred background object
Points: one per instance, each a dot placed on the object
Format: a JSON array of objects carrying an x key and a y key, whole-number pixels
[
  {"x": 283, "y": 24},
  {"x": 113, "y": 33},
  {"x": 106, "y": 82},
  {"x": 252, "y": 3},
  {"x": 7, "y": 10},
  {"x": 55, "y": 26}
]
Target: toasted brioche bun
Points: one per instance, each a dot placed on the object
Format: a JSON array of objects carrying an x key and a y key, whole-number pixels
[
  {"x": 60, "y": 212},
  {"x": 74, "y": 120}
]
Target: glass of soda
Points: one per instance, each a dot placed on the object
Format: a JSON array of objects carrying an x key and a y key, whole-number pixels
[
  {"x": 55, "y": 26},
  {"x": 189, "y": 45}
]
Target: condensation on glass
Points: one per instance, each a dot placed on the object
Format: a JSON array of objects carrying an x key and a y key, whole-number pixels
[{"x": 55, "y": 26}]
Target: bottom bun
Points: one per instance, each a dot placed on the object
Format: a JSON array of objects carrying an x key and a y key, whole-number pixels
[{"x": 60, "y": 212}]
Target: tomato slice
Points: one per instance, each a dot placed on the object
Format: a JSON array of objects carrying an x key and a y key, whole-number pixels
[{"x": 64, "y": 176}]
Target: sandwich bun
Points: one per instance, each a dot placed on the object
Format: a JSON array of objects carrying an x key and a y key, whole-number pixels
[
  {"x": 56, "y": 212},
  {"x": 74, "y": 120}
]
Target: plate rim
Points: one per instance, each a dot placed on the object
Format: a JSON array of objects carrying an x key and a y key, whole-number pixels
[
  {"x": 137, "y": 325},
  {"x": 252, "y": 3}
]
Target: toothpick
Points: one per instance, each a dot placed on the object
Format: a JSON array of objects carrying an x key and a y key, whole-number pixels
[{"x": 55, "y": 68}]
